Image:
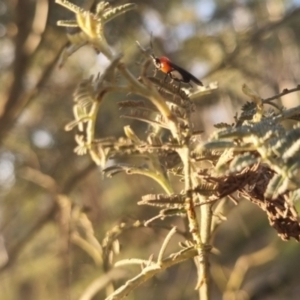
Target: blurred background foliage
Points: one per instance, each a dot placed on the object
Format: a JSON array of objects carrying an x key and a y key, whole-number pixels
[{"x": 231, "y": 42}]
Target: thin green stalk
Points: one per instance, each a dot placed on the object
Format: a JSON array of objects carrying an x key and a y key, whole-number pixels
[{"x": 160, "y": 179}]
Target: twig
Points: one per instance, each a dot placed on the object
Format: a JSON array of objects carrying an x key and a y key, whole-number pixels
[
  {"x": 149, "y": 272},
  {"x": 283, "y": 93},
  {"x": 87, "y": 247},
  {"x": 165, "y": 244},
  {"x": 134, "y": 261},
  {"x": 156, "y": 176},
  {"x": 100, "y": 283},
  {"x": 243, "y": 264}
]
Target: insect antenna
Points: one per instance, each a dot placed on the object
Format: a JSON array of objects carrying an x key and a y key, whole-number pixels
[{"x": 151, "y": 44}]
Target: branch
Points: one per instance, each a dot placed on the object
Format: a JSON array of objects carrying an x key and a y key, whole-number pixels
[
  {"x": 149, "y": 272},
  {"x": 283, "y": 93},
  {"x": 243, "y": 264},
  {"x": 96, "y": 285}
]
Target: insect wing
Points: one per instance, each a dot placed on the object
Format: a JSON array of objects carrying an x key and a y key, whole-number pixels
[{"x": 181, "y": 74}]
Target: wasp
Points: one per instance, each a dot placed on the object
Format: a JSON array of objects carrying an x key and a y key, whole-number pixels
[{"x": 172, "y": 70}]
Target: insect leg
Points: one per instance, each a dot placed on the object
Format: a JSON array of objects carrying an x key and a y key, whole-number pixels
[
  {"x": 179, "y": 85},
  {"x": 165, "y": 79}
]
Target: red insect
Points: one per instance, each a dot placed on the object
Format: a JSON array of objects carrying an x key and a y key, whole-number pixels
[{"x": 175, "y": 72}]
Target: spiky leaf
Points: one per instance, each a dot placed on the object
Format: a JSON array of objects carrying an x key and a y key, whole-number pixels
[{"x": 112, "y": 13}]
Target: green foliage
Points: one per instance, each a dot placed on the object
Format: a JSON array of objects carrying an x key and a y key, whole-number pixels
[{"x": 270, "y": 144}]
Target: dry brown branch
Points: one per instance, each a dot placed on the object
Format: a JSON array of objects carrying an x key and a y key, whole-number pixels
[{"x": 251, "y": 183}]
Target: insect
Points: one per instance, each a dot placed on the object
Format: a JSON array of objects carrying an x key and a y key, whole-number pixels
[{"x": 172, "y": 70}]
